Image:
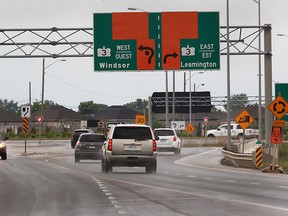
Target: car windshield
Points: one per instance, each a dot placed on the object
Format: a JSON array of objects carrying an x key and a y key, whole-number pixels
[
  {"x": 92, "y": 138},
  {"x": 164, "y": 133},
  {"x": 137, "y": 133}
]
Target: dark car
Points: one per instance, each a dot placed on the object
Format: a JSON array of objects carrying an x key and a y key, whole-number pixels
[
  {"x": 76, "y": 134},
  {"x": 3, "y": 149},
  {"x": 89, "y": 146}
]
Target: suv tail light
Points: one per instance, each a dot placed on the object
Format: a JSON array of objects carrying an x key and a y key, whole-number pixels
[
  {"x": 110, "y": 145},
  {"x": 78, "y": 143},
  {"x": 174, "y": 139},
  {"x": 154, "y": 146}
]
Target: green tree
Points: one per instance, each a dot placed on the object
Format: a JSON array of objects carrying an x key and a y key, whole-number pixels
[
  {"x": 139, "y": 105},
  {"x": 89, "y": 107},
  {"x": 238, "y": 101},
  {"x": 9, "y": 105}
]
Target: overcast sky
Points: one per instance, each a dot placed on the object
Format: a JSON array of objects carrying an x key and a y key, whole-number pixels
[{"x": 74, "y": 81}]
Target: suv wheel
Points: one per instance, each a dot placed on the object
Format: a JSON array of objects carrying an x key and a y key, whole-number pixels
[
  {"x": 152, "y": 167},
  {"x": 106, "y": 166},
  {"x": 4, "y": 156},
  {"x": 177, "y": 151},
  {"x": 77, "y": 160},
  {"x": 103, "y": 166}
]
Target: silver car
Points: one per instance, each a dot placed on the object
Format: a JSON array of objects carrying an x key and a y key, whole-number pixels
[{"x": 130, "y": 145}]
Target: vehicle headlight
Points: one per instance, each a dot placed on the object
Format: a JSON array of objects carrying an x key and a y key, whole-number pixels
[{"x": 2, "y": 145}]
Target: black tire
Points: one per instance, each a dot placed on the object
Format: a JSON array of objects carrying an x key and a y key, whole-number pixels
[
  {"x": 103, "y": 166},
  {"x": 109, "y": 167},
  {"x": 210, "y": 135},
  {"x": 240, "y": 136},
  {"x": 106, "y": 167},
  {"x": 77, "y": 160},
  {"x": 177, "y": 151},
  {"x": 151, "y": 168},
  {"x": 4, "y": 157}
]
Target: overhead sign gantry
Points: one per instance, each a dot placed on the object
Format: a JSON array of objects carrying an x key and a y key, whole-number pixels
[{"x": 156, "y": 41}]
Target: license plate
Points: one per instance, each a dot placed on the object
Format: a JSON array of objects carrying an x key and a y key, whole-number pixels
[
  {"x": 92, "y": 147},
  {"x": 163, "y": 140},
  {"x": 132, "y": 147}
]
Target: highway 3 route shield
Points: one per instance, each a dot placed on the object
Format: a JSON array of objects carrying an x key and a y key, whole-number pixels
[{"x": 132, "y": 41}]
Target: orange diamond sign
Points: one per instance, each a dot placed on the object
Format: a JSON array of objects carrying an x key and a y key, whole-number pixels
[
  {"x": 244, "y": 119},
  {"x": 279, "y": 107},
  {"x": 189, "y": 128}
]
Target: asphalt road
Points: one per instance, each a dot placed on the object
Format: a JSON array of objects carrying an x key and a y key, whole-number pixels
[{"x": 48, "y": 182}]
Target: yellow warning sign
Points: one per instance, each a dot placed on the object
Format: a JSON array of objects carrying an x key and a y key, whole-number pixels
[
  {"x": 279, "y": 123},
  {"x": 189, "y": 128},
  {"x": 279, "y": 107},
  {"x": 140, "y": 119},
  {"x": 244, "y": 119}
]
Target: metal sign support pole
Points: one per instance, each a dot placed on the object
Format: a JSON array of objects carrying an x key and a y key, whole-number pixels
[
  {"x": 25, "y": 145},
  {"x": 268, "y": 83}
]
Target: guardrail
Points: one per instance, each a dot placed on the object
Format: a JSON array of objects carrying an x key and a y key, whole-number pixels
[{"x": 238, "y": 159}]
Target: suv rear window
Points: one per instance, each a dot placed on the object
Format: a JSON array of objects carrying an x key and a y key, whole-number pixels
[
  {"x": 164, "y": 133},
  {"x": 92, "y": 138},
  {"x": 137, "y": 133}
]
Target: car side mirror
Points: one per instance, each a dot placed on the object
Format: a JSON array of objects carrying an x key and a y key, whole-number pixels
[{"x": 156, "y": 137}]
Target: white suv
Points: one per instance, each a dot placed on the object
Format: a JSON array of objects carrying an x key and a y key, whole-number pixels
[
  {"x": 167, "y": 140},
  {"x": 130, "y": 145}
]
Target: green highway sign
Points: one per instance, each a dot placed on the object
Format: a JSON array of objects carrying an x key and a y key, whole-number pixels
[{"x": 132, "y": 41}]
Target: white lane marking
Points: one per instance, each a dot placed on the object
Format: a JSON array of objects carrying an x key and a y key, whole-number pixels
[
  {"x": 110, "y": 197},
  {"x": 230, "y": 181},
  {"x": 254, "y": 183},
  {"x": 285, "y": 187},
  {"x": 191, "y": 176},
  {"x": 121, "y": 212},
  {"x": 196, "y": 194},
  {"x": 209, "y": 178}
]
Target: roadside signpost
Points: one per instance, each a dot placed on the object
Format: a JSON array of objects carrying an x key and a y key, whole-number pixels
[
  {"x": 135, "y": 41},
  {"x": 140, "y": 119},
  {"x": 39, "y": 119},
  {"x": 25, "y": 111},
  {"x": 279, "y": 108},
  {"x": 25, "y": 114},
  {"x": 178, "y": 125},
  {"x": 189, "y": 128},
  {"x": 276, "y": 135},
  {"x": 244, "y": 119}
]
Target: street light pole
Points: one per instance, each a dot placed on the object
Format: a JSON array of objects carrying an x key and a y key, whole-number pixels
[
  {"x": 190, "y": 94},
  {"x": 42, "y": 92},
  {"x": 195, "y": 88},
  {"x": 135, "y": 9},
  {"x": 43, "y": 80},
  {"x": 259, "y": 75}
]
